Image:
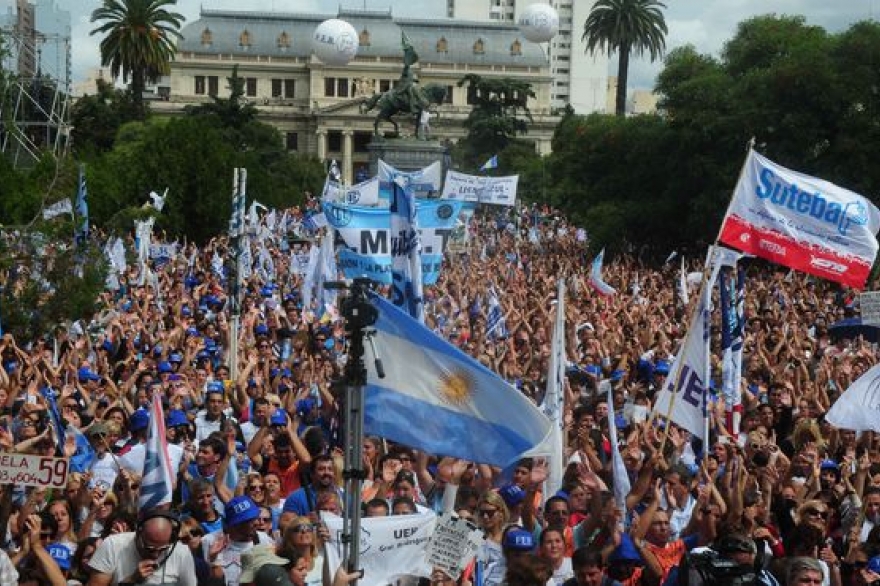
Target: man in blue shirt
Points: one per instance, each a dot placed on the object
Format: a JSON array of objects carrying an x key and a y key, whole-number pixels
[{"x": 303, "y": 501}]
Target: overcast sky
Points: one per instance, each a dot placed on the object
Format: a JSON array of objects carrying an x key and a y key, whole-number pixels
[{"x": 707, "y": 24}]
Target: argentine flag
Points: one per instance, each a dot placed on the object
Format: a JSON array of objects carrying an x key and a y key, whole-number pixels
[{"x": 436, "y": 398}]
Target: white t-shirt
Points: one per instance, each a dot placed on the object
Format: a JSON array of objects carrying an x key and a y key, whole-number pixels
[
  {"x": 118, "y": 556},
  {"x": 133, "y": 460},
  {"x": 229, "y": 557},
  {"x": 106, "y": 469}
]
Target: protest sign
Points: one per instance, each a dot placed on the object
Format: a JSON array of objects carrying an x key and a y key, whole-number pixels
[
  {"x": 30, "y": 470},
  {"x": 869, "y": 301},
  {"x": 454, "y": 544},
  {"x": 390, "y": 546}
]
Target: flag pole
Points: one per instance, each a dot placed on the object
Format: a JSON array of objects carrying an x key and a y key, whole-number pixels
[{"x": 704, "y": 280}]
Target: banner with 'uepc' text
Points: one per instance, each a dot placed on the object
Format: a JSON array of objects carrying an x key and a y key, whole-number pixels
[{"x": 802, "y": 222}]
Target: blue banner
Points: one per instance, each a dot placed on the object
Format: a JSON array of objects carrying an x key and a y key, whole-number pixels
[{"x": 366, "y": 232}]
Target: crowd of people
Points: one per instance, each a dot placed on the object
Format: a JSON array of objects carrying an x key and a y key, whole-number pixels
[{"x": 788, "y": 499}]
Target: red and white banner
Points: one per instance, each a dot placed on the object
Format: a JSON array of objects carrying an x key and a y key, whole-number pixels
[{"x": 802, "y": 222}]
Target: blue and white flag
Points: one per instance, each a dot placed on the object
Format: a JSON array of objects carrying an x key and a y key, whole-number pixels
[
  {"x": 490, "y": 164},
  {"x": 54, "y": 416},
  {"x": 684, "y": 396},
  {"x": 601, "y": 287},
  {"x": 436, "y": 398},
  {"x": 496, "y": 323},
  {"x": 157, "y": 480},
  {"x": 82, "y": 208},
  {"x": 366, "y": 232},
  {"x": 406, "y": 263},
  {"x": 554, "y": 396},
  {"x": 731, "y": 283},
  {"x": 421, "y": 181},
  {"x": 82, "y": 458}
]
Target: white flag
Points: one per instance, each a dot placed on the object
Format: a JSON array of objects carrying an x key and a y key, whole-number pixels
[
  {"x": 689, "y": 377},
  {"x": 858, "y": 408},
  {"x": 59, "y": 208},
  {"x": 554, "y": 396}
]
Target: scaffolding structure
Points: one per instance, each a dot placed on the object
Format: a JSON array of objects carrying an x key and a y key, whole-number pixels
[{"x": 34, "y": 96}]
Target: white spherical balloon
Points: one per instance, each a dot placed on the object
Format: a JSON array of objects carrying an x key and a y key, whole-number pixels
[
  {"x": 539, "y": 23},
  {"x": 335, "y": 42}
]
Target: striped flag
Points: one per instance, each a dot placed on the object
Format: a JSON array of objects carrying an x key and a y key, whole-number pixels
[
  {"x": 496, "y": 323},
  {"x": 406, "y": 250},
  {"x": 157, "y": 480},
  {"x": 82, "y": 208},
  {"x": 732, "y": 289}
]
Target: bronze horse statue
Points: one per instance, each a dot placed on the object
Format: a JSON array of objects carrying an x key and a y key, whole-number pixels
[{"x": 409, "y": 99}]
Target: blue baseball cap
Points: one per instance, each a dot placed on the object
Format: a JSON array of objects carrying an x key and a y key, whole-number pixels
[
  {"x": 175, "y": 357},
  {"x": 662, "y": 367},
  {"x": 215, "y": 386},
  {"x": 165, "y": 367},
  {"x": 176, "y": 418},
  {"x": 192, "y": 331},
  {"x": 261, "y": 330},
  {"x": 829, "y": 465},
  {"x": 279, "y": 417},
  {"x": 240, "y": 510},
  {"x": 512, "y": 494},
  {"x": 519, "y": 540},
  {"x": 85, "y": 374},
  {"x": 60, "y": 554},
  {"x": 139, "y": 420},
  {"x": 874, "y": 564}
]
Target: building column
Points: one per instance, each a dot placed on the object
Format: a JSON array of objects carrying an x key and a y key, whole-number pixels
[
  {"x": 322, "y": 145},
  {"x": 347, "y": 170}
]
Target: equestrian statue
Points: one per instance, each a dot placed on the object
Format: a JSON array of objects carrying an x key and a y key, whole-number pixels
[{"x": 406, "y": 97}]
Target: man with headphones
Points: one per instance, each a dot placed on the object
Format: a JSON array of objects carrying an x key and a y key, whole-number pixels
[{"x": 149, "y": 555}]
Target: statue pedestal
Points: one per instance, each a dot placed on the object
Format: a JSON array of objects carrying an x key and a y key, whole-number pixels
[{"x": 408, "y": 154}]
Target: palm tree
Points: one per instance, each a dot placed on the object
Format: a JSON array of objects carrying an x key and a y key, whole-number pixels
[
  {"x": 626, "y": 26},
  {"x": 139, "y": 40}
]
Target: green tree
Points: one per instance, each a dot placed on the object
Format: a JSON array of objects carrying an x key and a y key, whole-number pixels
[
  {"x": 630, "y": 27},
  {"x": 138, "y": 40},
  {"x": 96, "y": 119},
  {"x": 499, "y": 114},
  {"x": 47, "y": 280}
]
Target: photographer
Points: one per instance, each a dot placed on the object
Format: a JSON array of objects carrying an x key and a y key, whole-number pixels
[{"x": 732, "y": 560}]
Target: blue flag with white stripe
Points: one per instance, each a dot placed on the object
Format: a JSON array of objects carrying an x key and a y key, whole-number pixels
[
  {"x": 490, "y": 164},
  {"x": 82, "y": 208},
  {"x": 496, "y": 323},
  {"x": 406, "y": 264}
]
